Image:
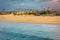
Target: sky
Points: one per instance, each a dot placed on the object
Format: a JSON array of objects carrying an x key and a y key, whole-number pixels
[{"x": 10, "y": 5}]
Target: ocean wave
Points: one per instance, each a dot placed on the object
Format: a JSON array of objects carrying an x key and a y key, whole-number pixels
[{"x": 17, "y": 36}]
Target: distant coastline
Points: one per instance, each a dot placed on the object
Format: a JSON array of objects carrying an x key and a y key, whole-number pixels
[{"x": 33, "y": 19}]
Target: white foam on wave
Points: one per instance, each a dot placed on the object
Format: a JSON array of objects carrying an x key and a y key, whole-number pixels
[{"x": 42, "y": 30}]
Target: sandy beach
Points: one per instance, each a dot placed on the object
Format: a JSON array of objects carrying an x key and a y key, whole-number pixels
[{"x": 33, "y": 19}]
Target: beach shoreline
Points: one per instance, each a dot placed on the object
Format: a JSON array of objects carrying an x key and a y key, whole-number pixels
[{"x": 31, "y": 19}]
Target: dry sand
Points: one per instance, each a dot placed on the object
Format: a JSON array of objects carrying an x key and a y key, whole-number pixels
[{"x": 34, "y": 19}]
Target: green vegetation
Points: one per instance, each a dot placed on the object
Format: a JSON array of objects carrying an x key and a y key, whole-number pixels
[{"x": 33, "y": 12}]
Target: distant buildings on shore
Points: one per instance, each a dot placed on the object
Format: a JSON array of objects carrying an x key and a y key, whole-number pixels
[{"x": 32, "y": 13}]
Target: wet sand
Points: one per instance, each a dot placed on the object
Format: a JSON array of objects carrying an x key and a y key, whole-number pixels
[{"x": 33, "y": 19}]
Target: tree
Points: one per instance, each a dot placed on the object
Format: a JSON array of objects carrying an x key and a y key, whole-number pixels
[{"x": 4, "y": 9}]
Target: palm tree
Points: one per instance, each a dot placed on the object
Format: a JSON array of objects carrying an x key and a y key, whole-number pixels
[{"x": 4, "y": 9}]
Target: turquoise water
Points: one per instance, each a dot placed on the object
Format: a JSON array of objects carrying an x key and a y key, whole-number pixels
[{"x": 29, "y": 31}]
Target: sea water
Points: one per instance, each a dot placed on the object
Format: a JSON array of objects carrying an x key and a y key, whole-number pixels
[{"x": 29, "y": 31}]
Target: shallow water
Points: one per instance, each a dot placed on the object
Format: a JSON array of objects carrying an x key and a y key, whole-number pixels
[{"x": 29, "y": 31}]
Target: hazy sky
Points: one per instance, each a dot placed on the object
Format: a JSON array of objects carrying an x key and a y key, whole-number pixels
[{"x": 29, "y": 4}]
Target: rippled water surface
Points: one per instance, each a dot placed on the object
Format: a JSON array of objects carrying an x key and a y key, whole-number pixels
[{"x": 29, "y": 31}]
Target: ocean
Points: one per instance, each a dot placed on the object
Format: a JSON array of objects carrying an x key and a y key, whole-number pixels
[{"x": 28, "y": 31}]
